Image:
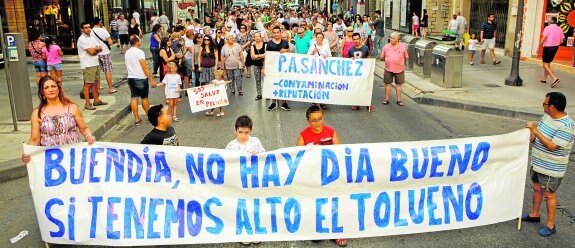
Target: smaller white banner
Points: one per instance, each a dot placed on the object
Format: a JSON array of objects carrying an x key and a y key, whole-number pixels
[
  {"x": 306, "y": 78},
  {"x": 207, "y": 97}
]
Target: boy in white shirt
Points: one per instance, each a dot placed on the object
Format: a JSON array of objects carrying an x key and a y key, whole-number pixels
[{"x": 244, "y": 141}]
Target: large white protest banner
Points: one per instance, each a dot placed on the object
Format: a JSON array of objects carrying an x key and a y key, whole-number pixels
[
  {"x": 208, "y": 96},
  {"x": 306, "y": 78},
  {"x": 130, "y": 195}
]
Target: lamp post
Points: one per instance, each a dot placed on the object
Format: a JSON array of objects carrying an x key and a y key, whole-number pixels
[{"x": 514, "y": 79}]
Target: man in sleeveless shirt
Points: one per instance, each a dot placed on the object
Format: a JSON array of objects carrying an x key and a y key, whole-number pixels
[{"x": 318, "y": 134}]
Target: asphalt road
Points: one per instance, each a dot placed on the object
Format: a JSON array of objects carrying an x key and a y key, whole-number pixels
[{"x": 280, "y": 128}]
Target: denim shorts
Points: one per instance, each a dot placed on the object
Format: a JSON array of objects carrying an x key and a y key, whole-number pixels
[
  {"x": 115, "y": 35},
  {"x": 56, "y": 67},
  {"x": 40, "y": 66}
]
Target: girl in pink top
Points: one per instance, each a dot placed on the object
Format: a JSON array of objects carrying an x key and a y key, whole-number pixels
[{"x": 53, "y": 56}]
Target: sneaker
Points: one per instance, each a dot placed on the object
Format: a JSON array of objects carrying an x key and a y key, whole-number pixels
[
  {"x": 471, "y": 63},
  {"x": 546, "y": 231},
  {"x": 259, "y": 97},
  {"x": 89, "y": 107},
  {"x": 209, "y": 113},
  {"x": 100, "y": 103},
  {"x": 285, "y": 106},
  {"x": 272, "y": 106},
  {"x": 219, "y": 114}
]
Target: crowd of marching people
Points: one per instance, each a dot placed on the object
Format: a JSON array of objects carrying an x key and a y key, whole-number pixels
[{"x": 235, "y": 41}]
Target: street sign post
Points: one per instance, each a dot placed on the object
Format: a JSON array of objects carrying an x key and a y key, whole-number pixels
[
  {"x": 8, "y": 79},
  {"x": 18, "y": 79}
]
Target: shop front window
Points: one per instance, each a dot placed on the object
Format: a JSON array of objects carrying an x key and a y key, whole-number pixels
[
  {"x": 564, "y": 11},
  {"x": 51, "y": 18},
  {"x": 149, "y": 8}
]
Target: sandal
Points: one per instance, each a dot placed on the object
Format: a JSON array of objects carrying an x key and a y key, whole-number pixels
[
  {"x": 176, "y": 119},
  {"x": 400, "y": 103},
  {"x": 138, "y": 122},
  {"x": 555, "y": 83},
  {"x": 496, "y": 62},
  {"x": 112, "y": 91},
  {"x": 482, "y": 61},
  {"x": 385, "y": 102},
  {"x": 543, "y": 81}
]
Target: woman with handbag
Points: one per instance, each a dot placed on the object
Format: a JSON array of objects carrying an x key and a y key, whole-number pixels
[
  {"x": 245, "y": 41},
  {"x": 233, "y": 63},
  {"x": 35, "y": 49}
]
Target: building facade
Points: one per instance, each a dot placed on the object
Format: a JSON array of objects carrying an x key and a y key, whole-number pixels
[
  {"x": 61, "y": 18},
  {"x": 538, "y": 12},
  {"x": 398, "y": 13}
]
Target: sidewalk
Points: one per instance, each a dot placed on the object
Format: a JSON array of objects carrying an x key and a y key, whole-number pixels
[
  {"x": 484, "y": 89},
  {"x": 100, "y": 120}
]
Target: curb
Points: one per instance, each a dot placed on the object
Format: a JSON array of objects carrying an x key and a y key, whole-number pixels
[
  {"x": 419, "y": 97},
  {"x": 476, "y": 107},
  {"x": 14, "y": 169}
]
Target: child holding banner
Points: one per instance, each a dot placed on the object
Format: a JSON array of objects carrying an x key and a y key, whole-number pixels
[
  {"x": 171, "y": 83},
  {"x": 219, "y": 74},
  {"x": 244, "y": 141},
  {"x": 318, "y": 134}
]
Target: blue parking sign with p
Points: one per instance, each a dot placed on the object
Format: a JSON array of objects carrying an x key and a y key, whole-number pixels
[{"x": 10, "y": 40}]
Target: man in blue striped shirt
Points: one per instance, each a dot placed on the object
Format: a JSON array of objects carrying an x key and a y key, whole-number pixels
[{"x": 552, "y": 141}]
